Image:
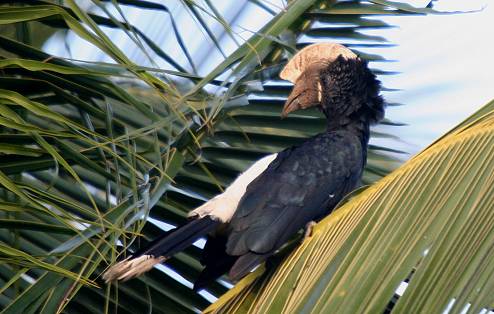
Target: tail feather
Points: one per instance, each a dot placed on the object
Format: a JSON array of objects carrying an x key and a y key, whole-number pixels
[
  {"x": 160, "y": 249},
  {"x": 181, "y": 238},
  {"x": 131, "y": 267},
  {"x": 210, "y": 273},
  {"x": 245, "y": 264},
  {"x": 216, "y": 260}
]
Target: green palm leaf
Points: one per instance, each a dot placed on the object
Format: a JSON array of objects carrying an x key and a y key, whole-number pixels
[{"x": 90, "y": 150}]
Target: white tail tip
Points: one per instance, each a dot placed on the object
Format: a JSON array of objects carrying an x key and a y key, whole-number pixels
[{"x": 131, "y": 267}]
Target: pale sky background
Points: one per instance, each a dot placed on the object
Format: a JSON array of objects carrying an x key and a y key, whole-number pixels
[{"x": 446, "y": 69}]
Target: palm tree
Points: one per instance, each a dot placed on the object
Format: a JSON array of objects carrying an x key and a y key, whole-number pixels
[{"x": 94, "y": 155}]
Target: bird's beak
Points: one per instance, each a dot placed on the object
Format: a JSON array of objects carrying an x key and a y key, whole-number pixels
[
  {"x": 289, "y": 107},
  {"x": 291, "y": 104},
  {"x": 304, "y": 95}
]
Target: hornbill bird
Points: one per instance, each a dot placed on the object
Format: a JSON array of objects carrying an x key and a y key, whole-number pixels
[{"x": 282, "y": 193}]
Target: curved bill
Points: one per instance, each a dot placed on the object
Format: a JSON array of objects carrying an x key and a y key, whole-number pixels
[{"x": 306, "y": 93}]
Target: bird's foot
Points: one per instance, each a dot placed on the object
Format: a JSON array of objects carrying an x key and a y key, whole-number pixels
[{"x": 309, "y": 228}]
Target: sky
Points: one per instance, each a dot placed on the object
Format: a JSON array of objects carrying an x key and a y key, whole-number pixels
[{"x": 446, "y": 71}]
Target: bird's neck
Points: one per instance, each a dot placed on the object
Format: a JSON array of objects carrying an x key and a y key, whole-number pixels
[{"x": 357, "y": 126}]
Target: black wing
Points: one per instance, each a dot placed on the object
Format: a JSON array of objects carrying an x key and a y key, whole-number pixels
[{"x": 303, "y": 183}]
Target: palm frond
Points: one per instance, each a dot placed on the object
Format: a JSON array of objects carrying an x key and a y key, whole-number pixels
[{"x": 90, "y": 151}]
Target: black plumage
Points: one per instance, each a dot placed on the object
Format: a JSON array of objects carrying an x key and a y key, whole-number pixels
[{"x": 303, "y": 184}]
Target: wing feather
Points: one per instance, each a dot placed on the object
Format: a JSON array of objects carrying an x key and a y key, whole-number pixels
[{"x": 302, "y": 184}]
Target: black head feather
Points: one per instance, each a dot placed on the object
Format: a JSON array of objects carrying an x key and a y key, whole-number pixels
[{"x": 350, "y": 91}]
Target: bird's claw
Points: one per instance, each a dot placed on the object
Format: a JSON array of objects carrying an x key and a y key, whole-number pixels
[{"x": 309, "y": 228}]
